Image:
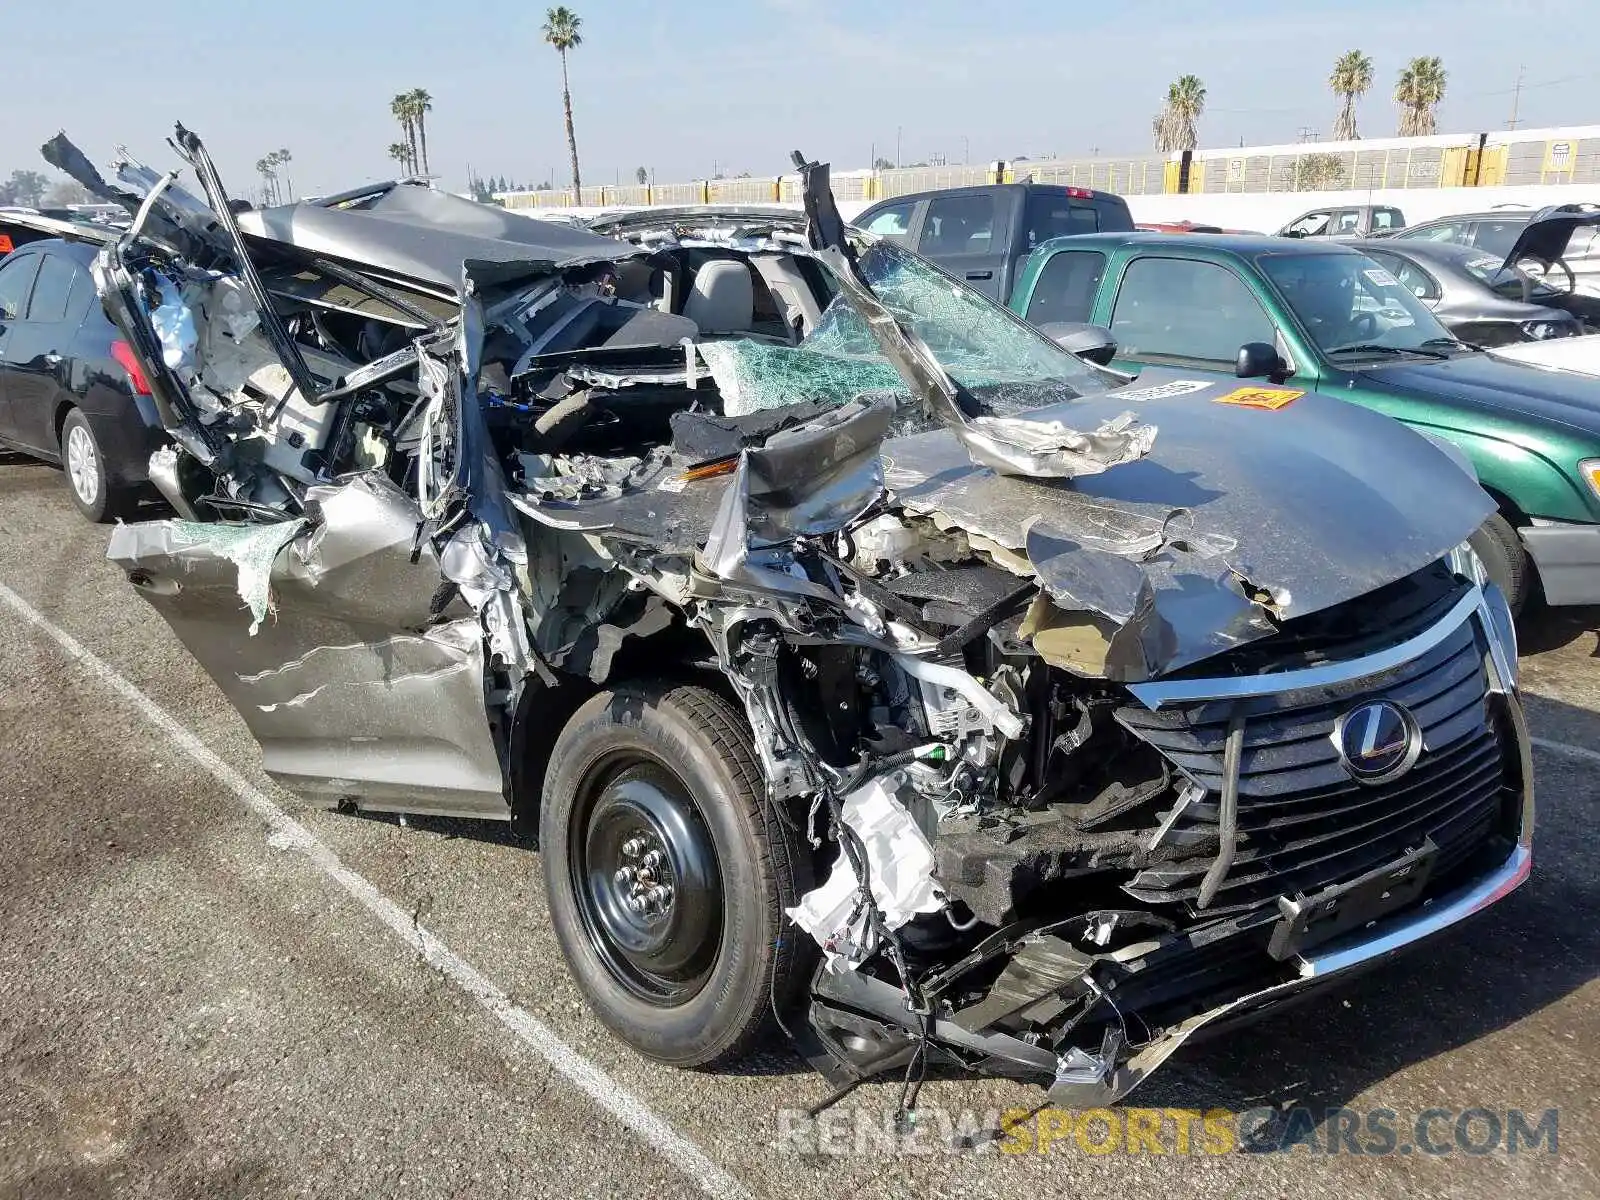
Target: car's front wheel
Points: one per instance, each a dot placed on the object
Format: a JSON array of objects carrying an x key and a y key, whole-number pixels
[
  {"x": 668, "y": 872},
  {"x": 1505, "y": 560},
  {"x": 88, "y": 481}
]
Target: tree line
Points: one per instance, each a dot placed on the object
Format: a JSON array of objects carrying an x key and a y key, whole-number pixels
[{"x": 1418, "y": 92}]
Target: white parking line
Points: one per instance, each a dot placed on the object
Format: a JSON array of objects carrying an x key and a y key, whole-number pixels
[
  {"x": 1566, "y": 748},
  {"x": 591, "y": 1079}
]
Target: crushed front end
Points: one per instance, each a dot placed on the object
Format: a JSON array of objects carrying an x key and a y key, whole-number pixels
[{"x": 1104, "y": 713}]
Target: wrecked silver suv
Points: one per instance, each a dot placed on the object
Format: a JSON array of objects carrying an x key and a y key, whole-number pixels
[{"x": 866, "y": 660}]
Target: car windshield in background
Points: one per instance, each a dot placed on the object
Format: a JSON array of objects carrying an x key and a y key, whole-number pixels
[
  {"x": 1498, "y": 237},
  {"x": 1351, "y": 306},
  {"x": 1511, "y": 282}
]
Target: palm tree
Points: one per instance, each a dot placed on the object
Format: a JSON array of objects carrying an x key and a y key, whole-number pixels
[
  {"x": 401, "y": 153},
  {"x": 421, "y": 106},
  {"x": 266, "y": 167},
  {"x": 400, "y": 106},
  {"x": 282, "y": 158},
  {"x": 1418, "y": 92},
  {"x": 1351, "y": 79},
  {"x": 561, "y": 31},
  {"x": 1174, "y": 127}
]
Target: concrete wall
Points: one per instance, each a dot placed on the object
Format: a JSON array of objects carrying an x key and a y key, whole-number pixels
[{"x": 1267, "y": 212}]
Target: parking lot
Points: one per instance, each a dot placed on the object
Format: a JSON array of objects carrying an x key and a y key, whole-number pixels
[{"x": 209, "y": 988}]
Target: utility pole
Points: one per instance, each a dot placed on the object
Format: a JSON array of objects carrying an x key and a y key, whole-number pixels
[
  {"x": 966, "y": 150},
  {"x": 1516, "y": 97},
  {"x": 897, "y": 130}
]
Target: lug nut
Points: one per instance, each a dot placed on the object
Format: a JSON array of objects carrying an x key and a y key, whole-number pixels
[
  {"x": 623, "y": 877},
  {"x": 652, "y": 861},
  {"x": 633, "y": 847}
]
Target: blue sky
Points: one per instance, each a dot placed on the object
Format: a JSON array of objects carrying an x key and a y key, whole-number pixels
[{"x": 705, "y": 85}]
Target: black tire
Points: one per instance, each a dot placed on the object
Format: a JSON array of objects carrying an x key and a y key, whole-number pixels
[
  {"x": 1505, "y": 560},
  {"x": 670, "y": 769},
  {"x": 84, "y": 463}
]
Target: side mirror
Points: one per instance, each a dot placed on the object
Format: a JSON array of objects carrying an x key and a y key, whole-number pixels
[
  {"x": 1258, "y": 360},
  {"x": 1092, "y": 343}
]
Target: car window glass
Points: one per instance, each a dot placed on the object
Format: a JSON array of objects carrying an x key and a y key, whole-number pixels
[
  {"x": 1348, "y": 303},
  {"x": 1386, "y": 218},
  {"x": 16, "y": 277},
  {"x": 1412, "y": 277},
  {"x": 1066, "y": 287},
  {"x": 894, "y": 221},
  {"x": 1311, "y": 225},
  {"x": 1514, "y": 283},
  {"x": 1582, "y": 243},
  {"x": 1176, "y": 308},
  {"x": 1053, "y": 214},
  {"x": 1349, "y": 222},
  {"x": 1497, "y": 237},
  {"x": 51, "y": 291},
  {"x": 958, "y": 225},
  {"x": 1445, "y": 231}
]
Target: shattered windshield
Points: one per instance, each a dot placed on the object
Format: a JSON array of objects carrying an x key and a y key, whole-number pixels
[
  {"x": 1351, "y": 306},
  {"x": 982, "y": 346}
]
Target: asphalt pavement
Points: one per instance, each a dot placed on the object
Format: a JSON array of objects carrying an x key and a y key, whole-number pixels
[{"x": 211, "y": 988}]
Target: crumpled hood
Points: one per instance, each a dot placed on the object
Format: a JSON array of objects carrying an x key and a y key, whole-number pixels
[
  {"x": 1490, "y": 384},
  {"x": 426, "y": 235},
  {"x": 1239, "y": 517}
]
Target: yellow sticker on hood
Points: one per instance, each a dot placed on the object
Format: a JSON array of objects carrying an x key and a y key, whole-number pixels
[{"x": 1260, "y": 397}]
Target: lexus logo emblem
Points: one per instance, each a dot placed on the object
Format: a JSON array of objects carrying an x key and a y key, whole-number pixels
[{"x": 1377, "y": 742}]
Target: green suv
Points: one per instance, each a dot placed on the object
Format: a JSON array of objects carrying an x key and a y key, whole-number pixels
[{"x": 1308, "y": 316}]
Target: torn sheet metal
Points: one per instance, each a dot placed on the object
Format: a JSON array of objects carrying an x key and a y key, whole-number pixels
[
  {"x": 413, "y": 726},
  {"x": 1172, "y": 610},
  {"x": 368, "y": 680},
  {"x": 357, "y": 554},
  {"x": 899, "y": 861},
  {"x": 1348, "y": 509},
  {"x": 805, "y": 481},
  {"x": 250, "y": 549},
  {"x": 419, "y": 233}
]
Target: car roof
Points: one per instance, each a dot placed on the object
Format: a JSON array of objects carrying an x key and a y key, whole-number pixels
[
  {"x": 79, "y": 252},
  {"x": 1213, "y": 245},
  {"x": 1422, "y": 248},
  {"x": 1494, "y": 214},
  {"x": 1088, "y": 195}
]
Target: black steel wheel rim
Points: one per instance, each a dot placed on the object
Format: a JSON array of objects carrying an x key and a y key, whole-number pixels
[{"x": 645, "y": 874}]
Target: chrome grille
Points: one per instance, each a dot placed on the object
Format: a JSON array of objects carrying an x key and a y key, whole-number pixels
[{"x": 1303, "y": 823}]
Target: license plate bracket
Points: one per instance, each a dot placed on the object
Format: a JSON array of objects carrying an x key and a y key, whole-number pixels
[{"x": 1309, "y": 921}]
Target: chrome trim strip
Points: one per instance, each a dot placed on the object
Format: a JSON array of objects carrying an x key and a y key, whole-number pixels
[
  {"x": 1437, "y": 916},
  {"x": 1503, "y": 658},
  {"x": 1159, "y": 693}
]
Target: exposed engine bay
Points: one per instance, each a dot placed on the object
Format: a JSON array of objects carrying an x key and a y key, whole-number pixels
[{"x": 1070, "y": 692}]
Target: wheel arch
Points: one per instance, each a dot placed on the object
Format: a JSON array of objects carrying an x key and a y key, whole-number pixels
[
  {"x": 675, "y": 654},
  {"x": 58, "y": 421}
]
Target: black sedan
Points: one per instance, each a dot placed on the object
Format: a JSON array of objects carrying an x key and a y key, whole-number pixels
[
  {"x": 71, "y": 391},
  {"x": 1475, "y": 295}
]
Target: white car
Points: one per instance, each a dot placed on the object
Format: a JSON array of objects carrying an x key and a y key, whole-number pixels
[{"x": 1577, "y": 354}]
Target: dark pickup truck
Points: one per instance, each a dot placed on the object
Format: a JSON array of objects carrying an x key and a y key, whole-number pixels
[{"x": 984, "y": 234}]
